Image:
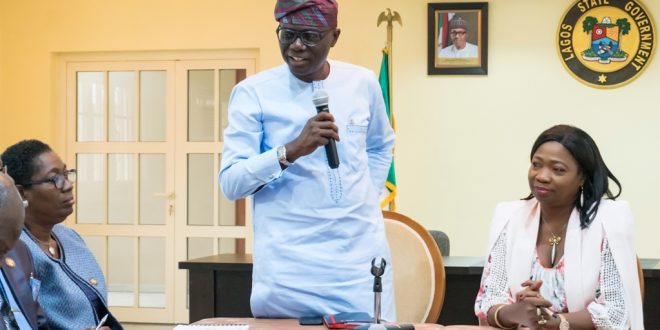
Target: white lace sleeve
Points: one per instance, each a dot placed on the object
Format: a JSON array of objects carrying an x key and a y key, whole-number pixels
[
  {"x": 608, "y": 310},
  {"x": 493, "y": 289}
]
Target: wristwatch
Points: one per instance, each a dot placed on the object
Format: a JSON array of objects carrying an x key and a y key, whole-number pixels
[
  {"x": 281, "y": 156},
  {"x": 563, "y": 324}
]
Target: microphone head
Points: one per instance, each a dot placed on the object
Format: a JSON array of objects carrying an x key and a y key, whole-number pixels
[{"x": 320, "y": 97}]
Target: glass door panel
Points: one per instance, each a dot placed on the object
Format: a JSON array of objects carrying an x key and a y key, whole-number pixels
[
  {"x": 201, "y": 104},
  {"x": 121, "y": 267},
  {"x": 90, "y": 189},
  {"x": 200, "y": 247},
  {"x": 90, "y": 106},
  {"x": 153, "y": 105},
  {"x": 121, "y": 189},
  {"x": 152, "y": 272},
  {"x": 201, "y": 174},
  {"x": 153, "y": 194},
  {"x": 121, "y": 106}
]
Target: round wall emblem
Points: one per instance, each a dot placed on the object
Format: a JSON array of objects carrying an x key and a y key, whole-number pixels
[{"x": 606, "y": 43}]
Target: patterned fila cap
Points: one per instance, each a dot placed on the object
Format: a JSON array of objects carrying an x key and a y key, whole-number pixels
[{"x": 316, "y": 13}]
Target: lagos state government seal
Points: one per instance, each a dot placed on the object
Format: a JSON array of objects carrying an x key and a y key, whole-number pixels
[{"x": 606, "y": 43}]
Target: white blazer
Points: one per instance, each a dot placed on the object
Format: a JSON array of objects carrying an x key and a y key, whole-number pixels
[{"x": 581, "y": 251}]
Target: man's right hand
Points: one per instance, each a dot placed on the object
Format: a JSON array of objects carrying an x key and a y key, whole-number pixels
[{"x": 317, "y": 132}]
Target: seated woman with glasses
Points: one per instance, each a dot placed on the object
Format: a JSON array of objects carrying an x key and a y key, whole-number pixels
[{"x": 73, "y": 292}]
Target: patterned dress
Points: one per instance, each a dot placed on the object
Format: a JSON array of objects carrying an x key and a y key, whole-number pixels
[{"x": 608, "y": 310}]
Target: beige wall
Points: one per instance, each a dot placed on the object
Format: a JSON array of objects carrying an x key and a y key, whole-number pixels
[{"x": 462, "y": 142}]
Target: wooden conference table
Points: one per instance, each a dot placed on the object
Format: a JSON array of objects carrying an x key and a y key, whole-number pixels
[
  {"x": 220, "y": 286},
  {"x": 292, "y": 324}
]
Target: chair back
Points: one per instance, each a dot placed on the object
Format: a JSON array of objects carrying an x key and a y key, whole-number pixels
[
  {"x": 442, "y": 240},
  {"x": 419, "y": 274}
]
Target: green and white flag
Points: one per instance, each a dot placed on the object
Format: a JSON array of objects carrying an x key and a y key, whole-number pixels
[{"x": 390, "y": 184}]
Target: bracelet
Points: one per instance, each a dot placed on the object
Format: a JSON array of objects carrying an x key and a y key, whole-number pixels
[
  {"x": 563, "y": 323},
  {"x": 497, "y": 322}
]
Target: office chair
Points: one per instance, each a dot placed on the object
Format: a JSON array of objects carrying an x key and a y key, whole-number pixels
[
  {"x": 442, "y": 240},
  {"x": 419, "y": 274}
]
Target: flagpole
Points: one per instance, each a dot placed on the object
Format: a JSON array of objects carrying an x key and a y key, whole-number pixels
[{"x": 390, "y": 17}]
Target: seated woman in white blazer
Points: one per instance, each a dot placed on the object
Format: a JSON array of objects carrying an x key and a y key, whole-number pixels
[{"x": 564, "y": 256}]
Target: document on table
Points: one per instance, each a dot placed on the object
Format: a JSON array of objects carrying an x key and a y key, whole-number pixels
[{"x": 213, "y": 327}]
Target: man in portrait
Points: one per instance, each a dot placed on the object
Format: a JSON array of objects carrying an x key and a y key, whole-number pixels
[{"x": 459, "y": 48}]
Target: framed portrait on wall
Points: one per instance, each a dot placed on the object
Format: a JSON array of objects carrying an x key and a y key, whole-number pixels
[{"x": 458, "y": 38}]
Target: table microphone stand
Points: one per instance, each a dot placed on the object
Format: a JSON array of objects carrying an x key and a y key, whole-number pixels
[{"x": 377, "y": 272}]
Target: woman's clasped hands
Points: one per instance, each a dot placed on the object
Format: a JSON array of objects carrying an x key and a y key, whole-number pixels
[{"x": 531, "y": 309}]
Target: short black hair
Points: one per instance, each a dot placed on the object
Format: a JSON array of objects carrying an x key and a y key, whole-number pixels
[
  {"x": 590, "y": 165},
  {"x": 20, "y": 159}
]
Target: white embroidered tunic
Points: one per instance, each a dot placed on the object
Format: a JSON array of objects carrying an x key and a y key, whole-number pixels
[{"x": 316, "y": 229}]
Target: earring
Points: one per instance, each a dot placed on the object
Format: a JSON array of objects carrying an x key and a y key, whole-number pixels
[
  {"x": 25, "y": 203},
  {"x": 581, "y": 196}
]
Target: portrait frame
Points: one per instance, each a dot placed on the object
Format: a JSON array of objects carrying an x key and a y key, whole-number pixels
[{"x": 445, "y": 58}]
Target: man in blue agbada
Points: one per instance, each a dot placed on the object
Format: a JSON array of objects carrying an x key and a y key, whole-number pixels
[{"x": 316, "y": 229}]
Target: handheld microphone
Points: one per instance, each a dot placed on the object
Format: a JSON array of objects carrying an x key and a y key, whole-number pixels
[{"x": 320, "y": 99}]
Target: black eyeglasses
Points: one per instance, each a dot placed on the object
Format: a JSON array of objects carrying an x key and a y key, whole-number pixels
[
  {"x": 308, "y": 37},
  {"x": 57, "y": 180}
]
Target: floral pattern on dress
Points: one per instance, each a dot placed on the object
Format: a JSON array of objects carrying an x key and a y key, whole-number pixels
[{"x": 608, "y": 310}]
